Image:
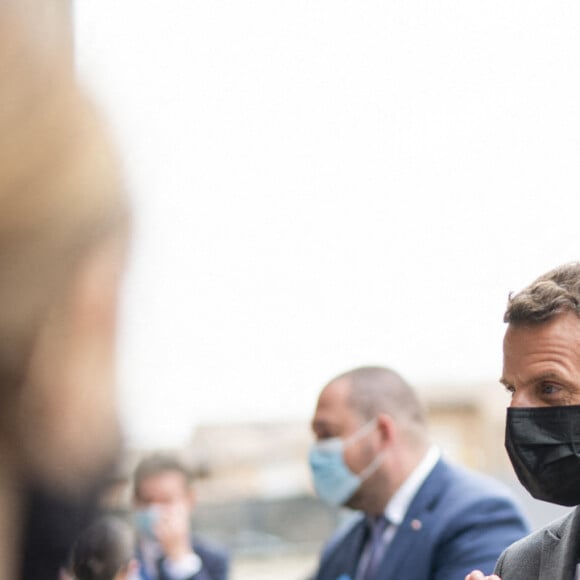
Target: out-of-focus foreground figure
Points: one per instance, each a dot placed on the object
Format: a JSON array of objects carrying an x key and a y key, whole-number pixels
[
  {"x": 104, "y": 551},
  {"x": 63, "y": 230}
]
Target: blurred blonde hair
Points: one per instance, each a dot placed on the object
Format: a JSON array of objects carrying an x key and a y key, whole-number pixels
[{"x": 60, "y": 190}]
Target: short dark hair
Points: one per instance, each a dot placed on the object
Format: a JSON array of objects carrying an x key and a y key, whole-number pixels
[
  {"x": 103, "y": 549},
  {"x": 552, "y": 293},
  {"x": 159, "y": 463}
]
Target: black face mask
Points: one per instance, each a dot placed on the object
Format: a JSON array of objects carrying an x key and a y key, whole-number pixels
[{"x": 543, "y": 444}]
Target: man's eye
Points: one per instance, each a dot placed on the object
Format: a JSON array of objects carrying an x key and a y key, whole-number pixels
[{"x": 549, "y": 388}]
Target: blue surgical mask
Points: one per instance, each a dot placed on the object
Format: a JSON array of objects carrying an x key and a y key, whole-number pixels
[
  {"x": 145, "y": 520},
  {"x": 333, "y": 481}
]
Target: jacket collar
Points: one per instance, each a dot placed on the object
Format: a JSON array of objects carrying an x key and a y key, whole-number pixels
[
  {"x": 398, "y": 507},
  {"x": 416, "y": 520},
  {"x": 560, "y": 548}
]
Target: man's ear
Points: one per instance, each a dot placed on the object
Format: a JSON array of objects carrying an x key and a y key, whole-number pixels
[{"x": 387, "y": 428}]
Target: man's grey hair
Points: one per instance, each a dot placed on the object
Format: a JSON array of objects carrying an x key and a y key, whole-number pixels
[
  {"x": 376, "y": 390},
  {"x": 551, "y": 294}
]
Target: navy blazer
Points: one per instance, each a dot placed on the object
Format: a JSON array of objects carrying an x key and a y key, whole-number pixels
[
  {"x": 457, "y": 522},
  {"x": 214, "y": 560}
]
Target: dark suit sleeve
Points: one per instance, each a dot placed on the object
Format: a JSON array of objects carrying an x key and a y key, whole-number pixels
[
  {"x": 218, "y": 571},
  {"x": 523, "y": 560},
  {"x": 215, "y": 562},
  {"x": 214, "y": 565},
  {"x": 341, "y": 553},
  {"x": 475, "y": 538},
  {"x": 499, "y": 564}
]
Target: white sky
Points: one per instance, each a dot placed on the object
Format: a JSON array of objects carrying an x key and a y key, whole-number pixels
[{"x": 324, "y": 184}]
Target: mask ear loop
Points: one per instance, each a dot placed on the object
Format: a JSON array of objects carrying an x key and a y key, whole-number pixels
[
  {"x": 376, "y": 462},
  {"x": 364, "y": 430},
  {"x": 372, "y": 466},
  {"x": 336, "y": 443}
]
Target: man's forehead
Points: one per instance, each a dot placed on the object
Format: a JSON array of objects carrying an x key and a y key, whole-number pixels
[
  {"x": 169, "y": 479},
  {"x": 533, "y": 350},
  {"x": 563, "y": 327},
  {"x": 334, "y": 406},
  {"x": 335, "y": 395}
]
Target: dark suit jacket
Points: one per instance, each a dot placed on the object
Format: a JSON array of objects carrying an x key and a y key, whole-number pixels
[
  {"x": 215, "y": 563},
  {"x": 457, "y": 522},
  {"x": 548, "y": 554}
]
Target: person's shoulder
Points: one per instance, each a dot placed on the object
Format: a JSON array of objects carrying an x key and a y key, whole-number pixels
[
  {"x": 342, "y": 533},
  {"x": 476, "y": 484},
  {"x": 209, "y": 551},
  {"x": 524, "y": 556},
  {"x": 467, "y": 495},
  {"x": 531, "y": 544}
]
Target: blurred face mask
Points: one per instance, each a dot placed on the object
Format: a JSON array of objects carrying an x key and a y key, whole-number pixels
[
  {"x": 543, "y": 445},
  {"x": 333, "y": 481},
  {"x": 145, "y": 520}
]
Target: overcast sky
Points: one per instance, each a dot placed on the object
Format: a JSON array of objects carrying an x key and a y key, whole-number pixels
[{"x": 324, "y": 184}]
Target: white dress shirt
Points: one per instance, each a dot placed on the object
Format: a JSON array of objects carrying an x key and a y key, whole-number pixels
[
  {"x": 397, "y": 507},
  {"x": 175, "y": 569}
]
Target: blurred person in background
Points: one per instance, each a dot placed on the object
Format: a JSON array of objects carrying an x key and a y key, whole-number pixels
[
  {"x": 63, "y": 237},
  {"x": 421, "y": 518},
  {"x": 104, "y": 551},
  {"x": 541, "y": 370},
  {"x": 164, "y": 501}
]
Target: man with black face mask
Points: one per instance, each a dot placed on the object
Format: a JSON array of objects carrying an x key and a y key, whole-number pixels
[{"x": 541, "y": 369}]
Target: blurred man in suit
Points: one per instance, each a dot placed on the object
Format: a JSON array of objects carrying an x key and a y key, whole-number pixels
[
  {"x": 421, "y": 518},
  {"x": 164, "y": 501}
]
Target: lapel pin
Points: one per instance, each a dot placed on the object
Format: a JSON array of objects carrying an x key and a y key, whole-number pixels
[{"x": 416, "y": 525}]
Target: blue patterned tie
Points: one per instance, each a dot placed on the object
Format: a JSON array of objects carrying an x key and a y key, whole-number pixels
[{"x": 375, "y": 549}]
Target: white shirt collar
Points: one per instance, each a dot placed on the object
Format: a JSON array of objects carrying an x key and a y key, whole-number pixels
[
  {"x": 151, "y": 551},
  {"x": 399, "y": 504}
]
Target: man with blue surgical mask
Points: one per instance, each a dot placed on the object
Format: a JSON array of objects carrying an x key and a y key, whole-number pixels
[
  {"x": 420, "y": 517},
  {"x": 163, "y": 505}
]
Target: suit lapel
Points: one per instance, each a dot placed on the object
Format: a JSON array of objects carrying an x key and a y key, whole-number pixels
[
  {"x": 560, "y": 549},
  {"x": 408, "y": 538},
  {"x": 345, "y": 555}
]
